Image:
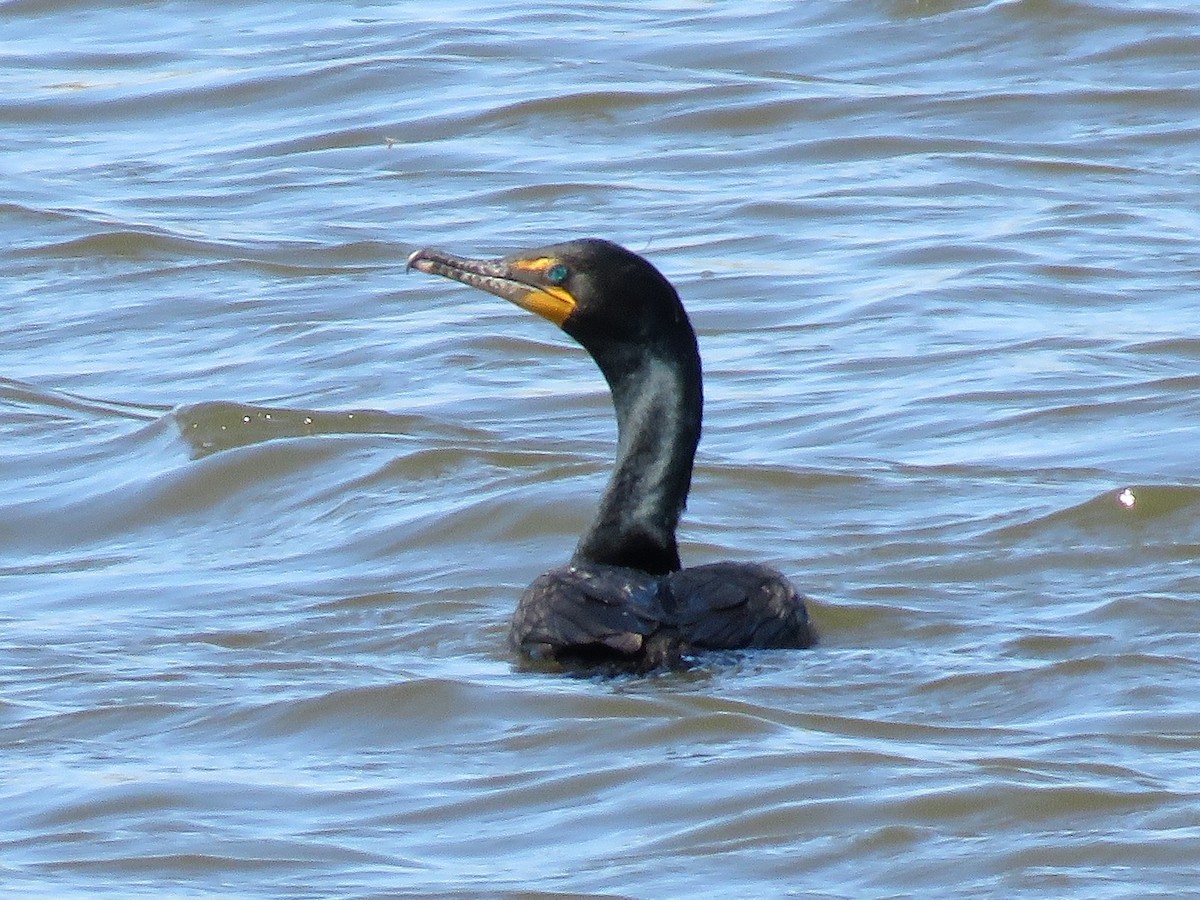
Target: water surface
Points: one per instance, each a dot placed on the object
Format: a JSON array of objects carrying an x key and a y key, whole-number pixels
[{"x": 269, "y": 502}]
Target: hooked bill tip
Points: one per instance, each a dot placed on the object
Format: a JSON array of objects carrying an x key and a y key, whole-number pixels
[{"x": 418, "y": 261}]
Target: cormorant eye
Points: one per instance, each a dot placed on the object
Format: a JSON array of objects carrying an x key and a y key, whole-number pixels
[{"x": 557, "y": 273}]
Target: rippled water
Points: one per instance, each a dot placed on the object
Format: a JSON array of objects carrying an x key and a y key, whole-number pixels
[{"x": 269, "y": 503}]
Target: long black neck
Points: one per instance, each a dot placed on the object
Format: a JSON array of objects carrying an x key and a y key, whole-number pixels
[{"x": 659, "y": 404}]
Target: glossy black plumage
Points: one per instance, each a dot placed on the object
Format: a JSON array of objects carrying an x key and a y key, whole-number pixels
[{"x": 623, "y": 599}]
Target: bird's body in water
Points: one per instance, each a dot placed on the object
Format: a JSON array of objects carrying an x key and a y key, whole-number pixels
[{"x": 623, "y": 600}]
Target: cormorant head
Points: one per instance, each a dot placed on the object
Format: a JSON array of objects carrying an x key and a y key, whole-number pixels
[
  {"x": 596, "y": 291},
  {"x": 629, "y": 319}
]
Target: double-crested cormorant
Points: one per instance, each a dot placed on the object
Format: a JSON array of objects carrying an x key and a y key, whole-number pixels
[{"x": 623, "y": 599}]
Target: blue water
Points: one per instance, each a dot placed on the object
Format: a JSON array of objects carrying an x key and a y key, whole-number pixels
[{"x": 269, "y": 502}]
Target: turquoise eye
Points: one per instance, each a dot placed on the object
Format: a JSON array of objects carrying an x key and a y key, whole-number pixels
[{"x": 557, "y": 274}]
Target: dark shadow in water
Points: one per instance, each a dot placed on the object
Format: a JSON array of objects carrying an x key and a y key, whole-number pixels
[
  {"x": 213, "y": 426},
  {"x": 222, "y": 425}
]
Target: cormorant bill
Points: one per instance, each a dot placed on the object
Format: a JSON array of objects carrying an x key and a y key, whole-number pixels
[{"x": 623, "y": 600}]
